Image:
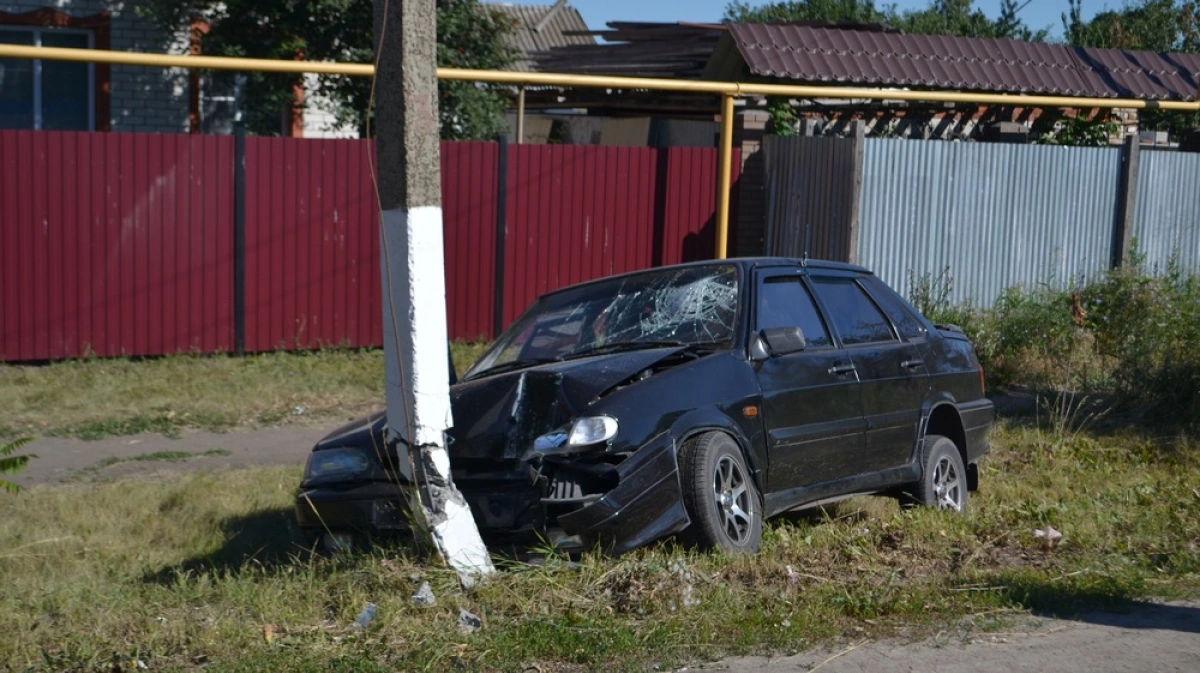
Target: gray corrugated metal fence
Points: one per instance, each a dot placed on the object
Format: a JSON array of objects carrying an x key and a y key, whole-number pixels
[
  {"x": 995, "y": 215},
  {"x": 811, "y": 196},
  {"x": 1167, "y": 211}
]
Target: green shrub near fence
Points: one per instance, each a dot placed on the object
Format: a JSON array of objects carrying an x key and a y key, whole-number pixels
[{"x": 1131, "y": 333}]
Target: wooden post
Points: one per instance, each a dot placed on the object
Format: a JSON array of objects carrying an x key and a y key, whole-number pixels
[
  {"x": 1122, "y": 239},
  {"x": 858, "y": 137}
]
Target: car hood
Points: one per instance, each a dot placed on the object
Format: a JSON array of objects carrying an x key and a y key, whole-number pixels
[{"x": 498, "y": 417}]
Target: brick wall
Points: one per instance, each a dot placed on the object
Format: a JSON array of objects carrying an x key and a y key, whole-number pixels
[
  {"x": 143, "y": 99},
  {"x": 319, "y": 121}
]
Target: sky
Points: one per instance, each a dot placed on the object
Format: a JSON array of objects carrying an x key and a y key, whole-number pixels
[{"x": 596, "y": 13}]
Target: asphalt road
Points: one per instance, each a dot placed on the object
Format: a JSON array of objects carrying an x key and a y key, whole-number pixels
[{"x": 1147, "y": 637}]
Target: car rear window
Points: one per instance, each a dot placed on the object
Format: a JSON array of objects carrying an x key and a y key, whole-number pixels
[
  {"x": 856, "y": 317},
  {"x": 902, "y": 314}
]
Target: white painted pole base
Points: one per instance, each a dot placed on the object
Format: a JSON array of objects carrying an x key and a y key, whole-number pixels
[{"x": 417, "y": 379}]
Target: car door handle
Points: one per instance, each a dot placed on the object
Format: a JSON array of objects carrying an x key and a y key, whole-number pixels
[
  {"x": 912, "y": 364},
  {"x": 842, "y": 369}
]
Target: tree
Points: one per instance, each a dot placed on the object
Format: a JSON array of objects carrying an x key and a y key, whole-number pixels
[
  {"x": 808, "y": 10},
  {"x": 470, "y": 35},
  {"x": 940, "y": 17}
]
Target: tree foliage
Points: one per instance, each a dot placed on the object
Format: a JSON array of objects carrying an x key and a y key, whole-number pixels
[
  {"x": 10, "y": 464},
  {"x": 470, "y": 35},
  {"x": 939, "y": 17}
]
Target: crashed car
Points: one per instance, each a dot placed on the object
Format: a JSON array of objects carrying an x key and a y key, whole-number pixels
[{"x": 697, "y": 400}]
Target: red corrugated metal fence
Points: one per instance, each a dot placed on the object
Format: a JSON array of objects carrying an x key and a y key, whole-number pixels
[
  {"x": 114, "y": 244},
  {"x": 122, "y": 244}
]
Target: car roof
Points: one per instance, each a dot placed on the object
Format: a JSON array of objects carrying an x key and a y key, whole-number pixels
[{"x": 747, "y": 263}]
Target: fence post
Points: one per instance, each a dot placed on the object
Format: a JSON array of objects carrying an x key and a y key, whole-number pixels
[
  {"x": 858, "y": 137},
  {"x": 239, "y": 237},
  {"x": 1122, "y": 239},
  {"x": 501, "y": 235}
]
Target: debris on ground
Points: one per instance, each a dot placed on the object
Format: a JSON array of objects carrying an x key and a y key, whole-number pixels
[
  {"x": 467, "y": 622},
  {"x": 1050, "y": 537},
  {"x": 363, "y": 620},
  {"x": 424, "y": 595}
]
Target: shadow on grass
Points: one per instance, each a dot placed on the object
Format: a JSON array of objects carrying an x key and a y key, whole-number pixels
[
  {"x": 1106, "y": 602},
  {"x": 268, "y": 540}
]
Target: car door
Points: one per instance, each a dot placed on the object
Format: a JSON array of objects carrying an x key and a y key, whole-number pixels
[
  {"x": 811, "y": 403},
  {"x": 892, "y": 372}
]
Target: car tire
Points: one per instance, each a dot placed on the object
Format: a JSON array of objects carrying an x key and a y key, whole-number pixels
[
  {"x": 943, "y": 483},
  {"x": 720, "y": 496}
]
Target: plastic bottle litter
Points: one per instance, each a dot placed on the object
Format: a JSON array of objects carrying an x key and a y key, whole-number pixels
[{"x": 363, "y": 620}]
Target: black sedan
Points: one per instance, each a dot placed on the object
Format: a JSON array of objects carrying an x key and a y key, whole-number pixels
[{"x": 697, "y": 399}]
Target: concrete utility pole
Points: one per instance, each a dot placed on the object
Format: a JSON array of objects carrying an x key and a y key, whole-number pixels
[{"x": 414, "y": 282}]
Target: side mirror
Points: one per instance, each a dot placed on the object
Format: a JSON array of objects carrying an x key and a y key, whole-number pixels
[{"x": 784, "y": 340}]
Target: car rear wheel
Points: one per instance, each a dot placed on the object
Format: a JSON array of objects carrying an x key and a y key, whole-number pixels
[
  {"x": 943, "y": 483},
  {"x": 720, "y": 497}
]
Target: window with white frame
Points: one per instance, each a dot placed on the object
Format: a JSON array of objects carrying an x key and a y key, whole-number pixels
[{"x": 47, "y": 95}]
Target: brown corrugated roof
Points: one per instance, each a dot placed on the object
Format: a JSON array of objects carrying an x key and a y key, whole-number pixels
[
  {"x": 543, "y": 27},
  {"x": 829, "y": 55}
]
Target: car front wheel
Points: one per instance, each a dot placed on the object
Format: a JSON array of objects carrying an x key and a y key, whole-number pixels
[
  {"x": 943, "y": 482},
  {"x": 719, "y": 495}
]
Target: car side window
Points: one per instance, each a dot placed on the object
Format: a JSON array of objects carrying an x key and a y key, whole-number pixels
[
  {"x": 902, "y": 314},
  {"x": 783, "y": 301},
  {"x": 856, "y": 317}
]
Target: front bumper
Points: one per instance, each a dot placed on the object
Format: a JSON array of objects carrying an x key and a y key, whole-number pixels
[
  {"x": 643, "y": 501},
  {"x": 362, "y": 507},
  {"x": 646, "y": 503}
]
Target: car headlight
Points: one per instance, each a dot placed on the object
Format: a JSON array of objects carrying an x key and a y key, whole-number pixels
[
  {"x": 585, "y": 433},
  {"x": 336, "y": 464},
  {"x": 590, "y": 430}
]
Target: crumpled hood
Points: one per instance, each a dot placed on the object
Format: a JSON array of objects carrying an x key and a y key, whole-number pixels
[{"x": 498, "y": 417}]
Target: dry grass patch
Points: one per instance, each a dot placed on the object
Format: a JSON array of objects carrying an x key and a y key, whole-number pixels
[
  {"x": 95, "y": 397},
  {"x": 207, "y": 570}
]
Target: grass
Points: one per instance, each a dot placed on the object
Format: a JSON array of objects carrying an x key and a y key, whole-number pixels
[
  {"x": 206, "y": 570},
  {"x": 94, "y": 398}
]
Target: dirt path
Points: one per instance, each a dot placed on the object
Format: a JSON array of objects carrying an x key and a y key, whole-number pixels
[
  {"x": 62, "y": 460},
  {"x": 1148, "y": 637}
]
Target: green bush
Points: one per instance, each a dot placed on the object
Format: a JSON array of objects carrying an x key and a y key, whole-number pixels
[
  {"x": 1149, "y": 327},
  {"x": 1130, "y": 332}
]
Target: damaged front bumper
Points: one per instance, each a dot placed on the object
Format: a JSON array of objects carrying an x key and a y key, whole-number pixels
[
  {"x": 642, "y": 498},
  {"x": 616, "y": 506}
]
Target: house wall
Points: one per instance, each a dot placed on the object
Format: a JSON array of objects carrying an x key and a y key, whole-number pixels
[
  {"x": 319, "y": 121},
  {"x": 143, "y": 99}
]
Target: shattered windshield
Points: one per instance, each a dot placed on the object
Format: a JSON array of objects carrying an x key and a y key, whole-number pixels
[{"x": 694, "y": 305}]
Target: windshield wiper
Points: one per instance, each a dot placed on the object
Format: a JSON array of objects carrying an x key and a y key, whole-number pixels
[{"x": 509, "y": 366}]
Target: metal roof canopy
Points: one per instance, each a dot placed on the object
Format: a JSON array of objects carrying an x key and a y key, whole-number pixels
[
  {"x": 727, "y": 90},
  {"x": 819, "y": 54}
]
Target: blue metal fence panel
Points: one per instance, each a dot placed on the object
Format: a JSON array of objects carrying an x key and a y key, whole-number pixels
[
  {"x": 993, "y": 215},
  {"x": 1166, "y": 221}
]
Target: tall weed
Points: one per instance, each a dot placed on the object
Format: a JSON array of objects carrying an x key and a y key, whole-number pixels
[{"x": 1130, "y": 333}]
